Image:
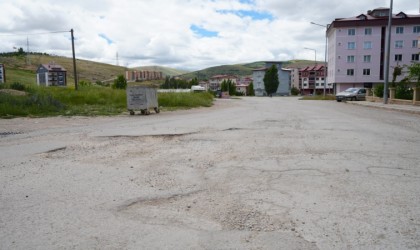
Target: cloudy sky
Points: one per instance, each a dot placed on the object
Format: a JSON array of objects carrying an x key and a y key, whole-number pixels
[{"x": 184, "y": 34}]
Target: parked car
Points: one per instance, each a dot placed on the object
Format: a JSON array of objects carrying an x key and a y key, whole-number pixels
[{"x": 351, "y": 94}]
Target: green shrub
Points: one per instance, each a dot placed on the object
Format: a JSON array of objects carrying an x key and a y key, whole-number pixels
[
  {"x": 17, "y": 86},
  {"x": 85, "y": 83},
  {"x": 120, "y": 83},
  {"x": 402, "y": 91},
  {"x": 378, "y": 90},
  {"x": 294, "y": 91}
]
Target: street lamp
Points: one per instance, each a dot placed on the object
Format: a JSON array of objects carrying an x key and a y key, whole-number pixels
[
  {"x": 314, "y": 93},
  {"x": 325, "y": 59}
]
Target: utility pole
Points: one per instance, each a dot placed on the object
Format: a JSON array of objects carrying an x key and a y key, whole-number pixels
[
  {"x": 117, "y": 60},
  {"x": 27, "y": 50},
  {"x": 388, "y": 50},
  {"x": 74, "y": 60}
]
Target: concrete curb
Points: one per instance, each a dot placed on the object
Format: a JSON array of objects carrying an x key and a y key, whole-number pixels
[{"x": 411, "y": 109}]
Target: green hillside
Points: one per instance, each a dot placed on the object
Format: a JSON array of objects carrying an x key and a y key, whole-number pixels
[
  {"x": 240, "y": 69},
  {"x": 22, "y": 69}
]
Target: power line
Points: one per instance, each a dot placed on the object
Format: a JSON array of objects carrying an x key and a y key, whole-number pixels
[{"x": 35, "y": 34}]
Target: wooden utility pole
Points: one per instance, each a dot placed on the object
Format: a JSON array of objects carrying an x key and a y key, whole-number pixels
[{"x": 74, "y": 60}]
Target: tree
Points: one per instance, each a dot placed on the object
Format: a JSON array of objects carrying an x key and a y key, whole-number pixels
[
  {"x": 21, "y": 51},
  {"x": 120, "y": 83},
  {"x": 397, "y": 72},
  {"x": 224, "y": 86},
  {"x": 414, "y": 73},
  {"x": 251, "y": 91},
  {"x": 271, "y": 80},
  {"x": 231, "y": 87},
  {"x": 194, "y": 81}
]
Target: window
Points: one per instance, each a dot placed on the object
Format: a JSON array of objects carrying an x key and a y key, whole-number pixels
[
  {"x": 351, "y": 45},
  {"x": 351, "y": 32},
  {"x": 400, "y": 30},
  {"x": 350, "y": 72},
  {"x": 350, "y": 59},
  {"x": 415, "y": 43},
  {"x": 366, "y": 58},
  {"x": 416, "y": 29},
  {"x": 366, "y": 72},
  {"x": 368, "y": 31},
  {"x": 415, "y": 57},
  {"x": 367, "y": 45},
  {"x": 398, "y": 44},
  {"x": 398, "y": 57}
]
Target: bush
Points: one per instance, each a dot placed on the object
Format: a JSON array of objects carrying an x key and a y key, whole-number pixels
[
  {"x": 120, "y": 83},
  {"x": 402, "y": 91},
  {"x": 17, "y": 86},
  {"x": 84, "y": 83},
  {"x": 294, "y": 91},
  {"x": 378, "y": 90}
]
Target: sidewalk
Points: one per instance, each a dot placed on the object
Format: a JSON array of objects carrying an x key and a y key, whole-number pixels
[{"x": 412, "y": 109}]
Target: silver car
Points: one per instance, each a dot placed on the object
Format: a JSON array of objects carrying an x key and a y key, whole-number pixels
[{"x": 351, "y": 94}]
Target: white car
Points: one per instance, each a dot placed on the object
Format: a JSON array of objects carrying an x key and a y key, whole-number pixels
[{"x": 351, "y": 94}]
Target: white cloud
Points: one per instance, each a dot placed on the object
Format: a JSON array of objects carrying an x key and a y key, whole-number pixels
[{"x": 159, "y": 32}]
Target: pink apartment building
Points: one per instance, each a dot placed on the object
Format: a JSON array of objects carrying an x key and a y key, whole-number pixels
[{"x": 356, "y": 47}]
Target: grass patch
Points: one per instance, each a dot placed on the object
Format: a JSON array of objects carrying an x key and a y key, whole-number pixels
[
  {"x": 319, "y": 98},
  {"x": 87, "y": 101},
  {"x": 185, "y": 100}
]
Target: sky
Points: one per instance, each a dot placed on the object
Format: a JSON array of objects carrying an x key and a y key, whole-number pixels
[{"x": 182, "y": 34}]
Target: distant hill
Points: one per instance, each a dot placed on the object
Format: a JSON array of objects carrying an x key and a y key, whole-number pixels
[
  {"x": 165, "y": 70},
  {"x": 240, "y": 69},
  {"x": 18, "y": 70},
  {"x": 22, "y": 69}
]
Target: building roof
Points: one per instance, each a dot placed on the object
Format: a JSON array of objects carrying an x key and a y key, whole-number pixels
[
  {"x": 313, "y": 68},
  {"x": 53, "y": 67},
  {"x": 376, "y": 17}
]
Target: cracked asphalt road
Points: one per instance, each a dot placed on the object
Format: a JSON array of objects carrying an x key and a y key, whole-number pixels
[{"x": 255, "y": 173}]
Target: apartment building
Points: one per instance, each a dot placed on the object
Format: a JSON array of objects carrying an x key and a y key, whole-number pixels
[
  {"x": 312, "y": 80},
  {"x": 51, "y": 74},
  {"x": 284, "y": 79},
  {"x": 2, "y": 74},
  {"x": 215, "y": 82},
  {"x": 356, "y": 47}
]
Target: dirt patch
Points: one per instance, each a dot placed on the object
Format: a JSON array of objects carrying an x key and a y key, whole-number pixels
[{"x": 13, "y": 92}]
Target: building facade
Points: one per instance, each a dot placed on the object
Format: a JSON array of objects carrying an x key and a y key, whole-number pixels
[
  {"x": 312, "y": 80},
  {"x": 295, "y": 79},
  {"x": 356, "y": 47},
  {"x": 215, "y": 82},
  {"x": 142, "y": 75},
  {"x": 2, "y": 74},
  {"x": 284, "y": 79},
  {"x": 51, "y": 75}
]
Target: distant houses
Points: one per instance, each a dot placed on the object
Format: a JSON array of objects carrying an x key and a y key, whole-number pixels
[
  {"x": 51, "y": 74},
  {"x": 2, "y": 74},
  {"x": 142, "y": 75}
]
